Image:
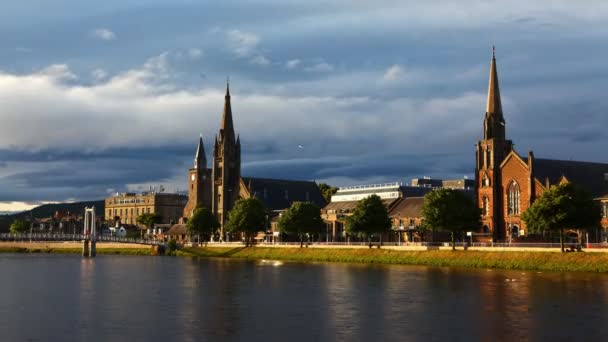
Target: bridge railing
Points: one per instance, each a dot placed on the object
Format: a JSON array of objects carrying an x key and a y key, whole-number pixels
[{"x": 75, "y": 237}]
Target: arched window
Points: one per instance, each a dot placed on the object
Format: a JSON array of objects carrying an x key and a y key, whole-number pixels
[
  {"x": 513, "y": 199},
  {"x": 485, "y": 206},
  {"x": 486, "y": 181}
]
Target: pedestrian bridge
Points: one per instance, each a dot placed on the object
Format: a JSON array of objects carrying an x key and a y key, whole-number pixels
[{"x": 46, "y": 237}]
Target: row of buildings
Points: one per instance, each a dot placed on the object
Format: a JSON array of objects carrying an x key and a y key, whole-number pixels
[{"x": 505, "y": 185}]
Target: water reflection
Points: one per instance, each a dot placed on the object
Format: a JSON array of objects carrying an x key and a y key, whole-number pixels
[{"x": 122, "y": 298}]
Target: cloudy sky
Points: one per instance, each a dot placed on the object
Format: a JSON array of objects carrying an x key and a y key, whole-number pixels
[{"x": 100, "y": 97}]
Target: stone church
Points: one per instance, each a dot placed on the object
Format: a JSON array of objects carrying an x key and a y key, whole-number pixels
[
  {"x": 507, "y": 183},
  {"x": 220, "y": 186}
]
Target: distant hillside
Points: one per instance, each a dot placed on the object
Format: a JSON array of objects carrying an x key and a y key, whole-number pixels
[{"x": 48, "y": 210}]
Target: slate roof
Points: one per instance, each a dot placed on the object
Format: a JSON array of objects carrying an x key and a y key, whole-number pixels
[
  {"x": 408, "y": 207},
  {"x": 272, "y": 192},
  {"x": 590, "y": 176},
  {"x": 177, "y": 229}
]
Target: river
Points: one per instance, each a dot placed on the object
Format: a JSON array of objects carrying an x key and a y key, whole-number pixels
[{"x": 133, "y": 298}]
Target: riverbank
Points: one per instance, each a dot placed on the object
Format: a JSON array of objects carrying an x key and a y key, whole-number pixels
[
  {"x": 532, "y": 261},
  {"x": 514, "y": 260},
  {"x": 72, "y": 248}
]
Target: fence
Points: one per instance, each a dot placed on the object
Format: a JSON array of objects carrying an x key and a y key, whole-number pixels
[{"x": 74, "y": 237}]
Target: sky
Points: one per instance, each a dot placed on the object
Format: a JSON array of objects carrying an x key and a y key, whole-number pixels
[{"x": 111, "y": 96}]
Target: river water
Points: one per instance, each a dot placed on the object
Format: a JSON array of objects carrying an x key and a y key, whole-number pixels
[{"x": 131, "y": 298}]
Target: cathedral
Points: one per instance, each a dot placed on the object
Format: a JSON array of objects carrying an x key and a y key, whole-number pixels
[
  {"x": 220, "y": 186},
  {"x": 507, "y": 183}
]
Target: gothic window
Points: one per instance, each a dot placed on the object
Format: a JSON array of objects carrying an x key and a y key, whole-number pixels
[
  {"x": 513, "y": 199},
  {"x": 486, "y": 206}
]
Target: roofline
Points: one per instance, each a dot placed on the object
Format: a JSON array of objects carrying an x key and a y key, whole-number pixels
[
  {"x": 513, "y": 152},
  {"x": 572, "y": 161},
  {"x": 280, "y": 179}
]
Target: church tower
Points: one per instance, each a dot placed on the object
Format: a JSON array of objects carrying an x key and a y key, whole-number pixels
[
  {"x": 199, "y": 182},
  {"x": 491, "y": 151},
  {"x": 226, "y": 167}
]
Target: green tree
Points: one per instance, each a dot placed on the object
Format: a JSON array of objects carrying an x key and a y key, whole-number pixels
[
  {"x": 202, "y": 222},
  {"x": 450, "y": 211},
  {"x": 561, "y": 207},
  {"x": 19, "y": 226},
  {"x": 327, "y": 191},
  {"x": 369, "y": 217},
  {"x": 148, "y": 220},
  {"x": 247, "y": 217},
  {"x": 301, "y": 218}
]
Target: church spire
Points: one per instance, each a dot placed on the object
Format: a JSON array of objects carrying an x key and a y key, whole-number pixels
[
  {"x": 200, "y": 160},
  {"x": 227, "y": 128},
  {"x": 493, "y": 105}
]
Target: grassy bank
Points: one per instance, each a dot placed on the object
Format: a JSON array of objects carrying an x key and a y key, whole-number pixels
[
  {"x": 536, "y": 261},
  {"x": 121, "y": 251}
]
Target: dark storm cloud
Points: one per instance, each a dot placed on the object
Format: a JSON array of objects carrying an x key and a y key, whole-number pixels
[{"x": 384, "y": 90}]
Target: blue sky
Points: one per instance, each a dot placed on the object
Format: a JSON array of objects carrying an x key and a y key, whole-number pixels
[{"x": 99, "y": 97}]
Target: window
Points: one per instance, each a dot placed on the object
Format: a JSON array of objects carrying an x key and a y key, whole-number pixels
[
  {"x": 286, "y": 194},
  {"x": 486, "y": 181},
  {"x": 148, "y": 210},
  {"x": 307, "y": 196},
  {"x": 486, "y": 205},
  {"x": 513, "y": 199},
  {"x": 605, "y": 209}
]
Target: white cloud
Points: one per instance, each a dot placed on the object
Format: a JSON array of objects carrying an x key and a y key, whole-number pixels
[
  {"x": 321, "y": 67},
  {"x": 260, "y": 60},
  {"x": 103, "y": 34},
  {"x": 242, "y": 43},
  {"x": 393, "y": 73},
  {"x": 133, "y": 109},
  {"x": 58, "y": 72},
  {"x": 99, "y": 74},
  {"x": 292, "y": 64},
  {"x": 195, "y": 53}
]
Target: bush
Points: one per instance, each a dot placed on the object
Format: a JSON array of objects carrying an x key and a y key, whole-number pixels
[{"x": 172, "y": 246}]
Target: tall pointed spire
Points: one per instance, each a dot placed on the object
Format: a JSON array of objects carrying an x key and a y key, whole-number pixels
[
  {"x": 227, "y": 128},
  {"x": 200, "y": 160},
  {"x": 494, "y": 105}
]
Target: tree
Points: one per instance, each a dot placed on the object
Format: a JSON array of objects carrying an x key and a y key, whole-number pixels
[
  {"x": 19, "y": 226},
  {"x": 369, "y": 217},
  {"x": 561, "y": 207},
  {"x": 451, "y": 211},
  {"x": 300, "y": 219},
  {"x": 149, "y": 219},
  {"x": 202, "y": 222},
  {"x": 327, "y": 191},
  {"x": 247, "y": 217}
]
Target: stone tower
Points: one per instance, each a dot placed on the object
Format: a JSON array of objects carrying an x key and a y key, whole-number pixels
[
  {"x": 226, "y": 172},
  {"x": 491, "y": 151},
  {"x": 199, "y": 182}
]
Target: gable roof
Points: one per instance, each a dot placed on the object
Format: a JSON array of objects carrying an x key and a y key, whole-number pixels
[
  {"x": 279, "y": 194},
  {"x": 408, "y": 207},
  {"x": 589, "y": 176},
  {"x": 177, "y": 229}
]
